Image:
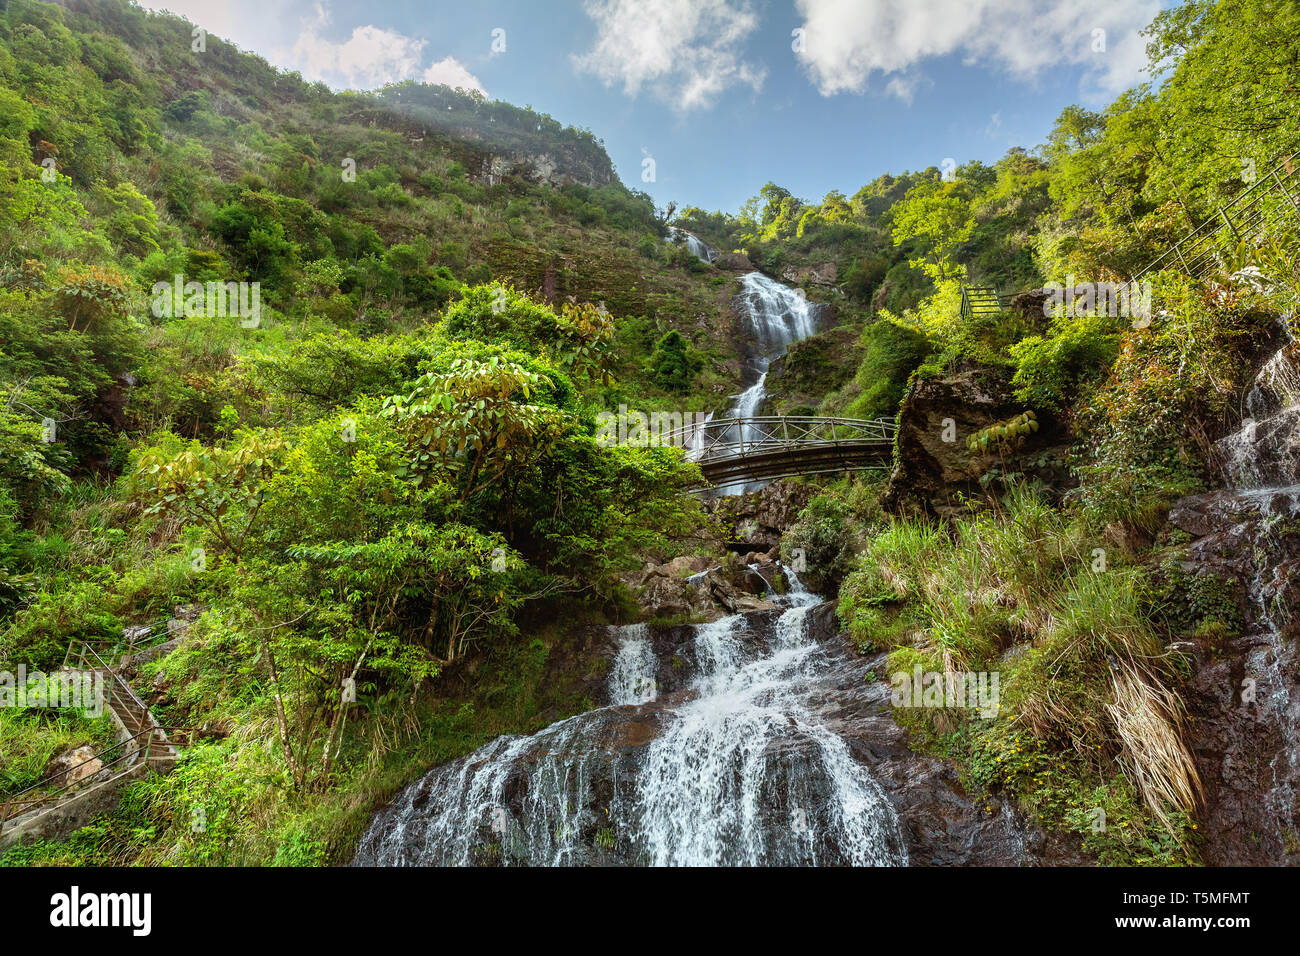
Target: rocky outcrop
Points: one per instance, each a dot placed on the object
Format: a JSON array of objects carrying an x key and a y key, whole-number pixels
[
  {"x": 822, "y": 275},
  {"x": 700, "y": 588},
  {"x": 1243, "y": 698},
  {"x": 734, "y": 262},
  {"x": 73, "y": 766},
  {"x": 1031, "y": 307},
  {"x": 811, "y": 369},
  {"x": 755, "y": 520},
  {"x": 934, "y": 466}
]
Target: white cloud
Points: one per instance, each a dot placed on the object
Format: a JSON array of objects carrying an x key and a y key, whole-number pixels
[
  {"x": 369, "y": 57},
  {"x": 686, "y": 52},
  {"x": 450, "y": 72},
  {"x": 847, "y": 41},
  {"x": 905, "y": 85}
]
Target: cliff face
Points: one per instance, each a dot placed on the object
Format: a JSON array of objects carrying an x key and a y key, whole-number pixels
[
  {"x": 1244, "y": 693},
  {"x": 934, "y": 465}
]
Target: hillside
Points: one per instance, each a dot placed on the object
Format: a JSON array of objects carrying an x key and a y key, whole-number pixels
[{"x": 314, "y": 385}]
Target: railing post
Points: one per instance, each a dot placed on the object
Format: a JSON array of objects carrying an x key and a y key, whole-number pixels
[
  {"x": 1224, "y": 213},
  {"x": 1291, "y": 200}
]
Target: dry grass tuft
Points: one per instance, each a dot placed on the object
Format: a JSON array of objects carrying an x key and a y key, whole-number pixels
[{"x": 1148, "y": 717}]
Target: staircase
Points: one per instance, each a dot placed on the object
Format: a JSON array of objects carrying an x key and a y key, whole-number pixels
[
  {"x": 142, "y": 747},
  {"x": 978, "y": 301}
]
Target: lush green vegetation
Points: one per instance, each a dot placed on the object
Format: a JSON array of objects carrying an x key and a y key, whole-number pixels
[
  {"x": 386, "y": 489},
  {"x": 382, "y": 487},
  {"x": 1079, "y": 626}
]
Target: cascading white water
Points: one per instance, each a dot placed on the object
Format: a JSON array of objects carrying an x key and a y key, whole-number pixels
[
  {"x": 706, "y": 790},
  {"x": 779, "y": 316},
  {"x": 740, "y": 770},
  {"x": 632, "y": 678},
  {"x": 1265, "y": 451},
  {"x": 1261, "y": 465},
  {"x": 694, "y": 244}
]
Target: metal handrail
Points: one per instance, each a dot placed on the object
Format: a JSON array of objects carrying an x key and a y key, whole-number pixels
[
  {"x": 150, "y": 729},
  {"x": 140, "y": 755},
  {"x": 117, "y": 678},
  {"x": 980, "y": 300},
  {"x": 722, "y": 438},
  {"x": 1200, "y": 250},
  {"x": 163, "y": 632}
]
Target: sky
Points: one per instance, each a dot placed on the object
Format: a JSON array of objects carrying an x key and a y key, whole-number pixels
[{"x": 721, "y": 96}]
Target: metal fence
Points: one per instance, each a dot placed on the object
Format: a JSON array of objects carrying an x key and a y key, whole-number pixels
[{"x": 1245, "y": 220}]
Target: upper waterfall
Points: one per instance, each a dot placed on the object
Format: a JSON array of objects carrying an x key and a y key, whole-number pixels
[
  {"x": 693, "y": 243},
  {"x": 779, "y": 315}
]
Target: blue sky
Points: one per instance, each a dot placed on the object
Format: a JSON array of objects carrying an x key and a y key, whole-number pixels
[{"x": 724, "y": 95}]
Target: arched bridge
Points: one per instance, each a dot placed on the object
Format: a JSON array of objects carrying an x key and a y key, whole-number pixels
[{"x": 732, "y": 451}]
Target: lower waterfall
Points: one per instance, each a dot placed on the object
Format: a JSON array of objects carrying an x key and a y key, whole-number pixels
[
  {"x": 736, "y": 768},
  {"x": 1247, "y": 694}
]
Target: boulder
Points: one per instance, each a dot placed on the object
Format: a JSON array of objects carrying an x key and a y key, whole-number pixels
[
  {"x": 823, "y": 275},
  {"x": 686, "y": 587},
  {"x": 76, "y": 765},
  {"x": 935, "y": 471},
  {"x": 1030, "y": 305},
  {"x": 734, "y": 262},
  {"x": 757, "y": 519}
]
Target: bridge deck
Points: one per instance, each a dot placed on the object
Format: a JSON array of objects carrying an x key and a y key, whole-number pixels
[{"x": 734, "y": 450}]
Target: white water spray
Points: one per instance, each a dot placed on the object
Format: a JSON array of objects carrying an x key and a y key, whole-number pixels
[{"x": 740, "y": 770}]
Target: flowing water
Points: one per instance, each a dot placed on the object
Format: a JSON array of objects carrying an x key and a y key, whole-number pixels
[
  {"x": 694, "y": 244},
  {"x": 632, "y": 679},
  {"x": 1265, "y": 451},
  {"x": 1250, "y": 538},
  {"x": 779, "y": 316},
  {"x": 737, "y": 769}
]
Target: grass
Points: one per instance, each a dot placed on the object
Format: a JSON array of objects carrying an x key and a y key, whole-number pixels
[
  {"x": 30, "y": 738},
  {"x": 1086, "y": 684},
  {"x": 229, "y": 801}
]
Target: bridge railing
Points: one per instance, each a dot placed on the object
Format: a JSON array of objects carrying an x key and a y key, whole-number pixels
[{"x": 738, "y": 437}]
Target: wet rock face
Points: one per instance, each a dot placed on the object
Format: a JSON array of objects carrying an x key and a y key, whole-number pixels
[
  {"x": 934, "y": 468},
  {"x": 699, "y": 588},
  {"x": 583, "y": 791},
  {"x": 1244, "y": 697},
  {"x": 757, "y": 519},
  {"x": 944, "y": 825}
]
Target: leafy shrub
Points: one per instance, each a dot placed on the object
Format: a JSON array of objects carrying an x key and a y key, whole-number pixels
[
  {"x": 893, "y": 352},
  {"x": 1051, "y": 370}
]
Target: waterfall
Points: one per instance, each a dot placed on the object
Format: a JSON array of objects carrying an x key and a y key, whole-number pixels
[
  {"x": 1254, "y": 740},
  {"x": 694, "y": 244},
  {"x": 632, "y": 678},
  {"x": 1265, "y": 451},
  {"x": 779, "y": 317},
  {"x": 738, "y": 769}
]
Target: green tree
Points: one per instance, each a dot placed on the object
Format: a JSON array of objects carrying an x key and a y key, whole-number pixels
[{"x": 673, "y": 364}]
